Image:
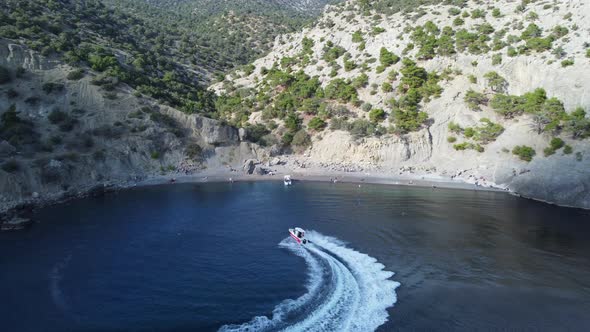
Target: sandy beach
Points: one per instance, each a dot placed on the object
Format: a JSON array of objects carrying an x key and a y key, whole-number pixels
[{"x": 430, "y": 181}]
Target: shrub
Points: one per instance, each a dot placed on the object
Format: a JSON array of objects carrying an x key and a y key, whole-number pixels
[
  {"x": 102, "y": 62},
  {"x": 361, "y": 128},
  {"x": 531, "y": 31},
  {"x": 511, "y": 52},
  {"x": 548, "y": 151},
  {"x": 386, "y": 87},
  {"x": 339, "y": 89},
  {"x": 75, "y": 75},
  {"x": 468, "y": 146},
  {"x": 357, "y": 37},
  {"x": 454, "y": 11},
  {"x": 532, "y": 16},
  {"x": 495, "y": 81},
  {"x": 50, "y": 87},
  {"x": 331, "y": 53},
  {"x": 524, "y": 152},
  {"x": 16, "y": 130},
  {"x": 11, "y": 166},
  {"x": 451, "y": 139},
  {"x": 349, "y": 65},
  {"x": 301, "y": 139},
  {"x": 292, "y": 122},
  {"x": 458, "y": 21},
  {"x": 496, "y": 12},
  {"x": 556, "y": 143},
  {"x": 539, "y": 44},
  {"x": 475, "y": 99},
  {"x": 412, "y": 75},
  {"x": 408, "y": 120},
  {"x": 56, "y": 116},
  {"x": 559, "y": 31},
  {"x": 387, "y": 58},
  {"x": 455, "y": 128},
  {"x": 4, "y": 75},
  {"x": 507, "y": 105},
  {"x": 478, "y": 13},
  {"x": 578, "y": 124},
  {"x": 472, "y": 79},
  {"x": 567, "y": 63},
  {"x": 377, "y": 30},
  {"x": 68, "y": 124},
  {"x": 155, "y": 155},
  {"x": 392, "y": 75},
  {"x": 496, "y": 59},
  {"x": 360, "y": 81},
  {"x": 487, "y": 131},
  {"x": 307, "y": 45},
  {"x": 11, "y": 93},
  {"x": 256, "y": 132},
  {"x": 376, "y": 115},
  {"x": 461, "y": 146},
  {"x": 194, "y": 151},
  {"x": 316, "y": 124},
  {"x": 567, "y": 149},
  {"x": 339, "y": 124},
  {"x": 485, "y": 29}
]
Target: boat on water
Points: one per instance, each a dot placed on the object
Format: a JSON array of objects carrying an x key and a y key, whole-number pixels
[
  {"x": 298, "y": 234},
  {"x": 287, "y": 180}
]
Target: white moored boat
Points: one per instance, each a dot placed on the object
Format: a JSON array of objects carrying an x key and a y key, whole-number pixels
[
  {"x": 298, "y": 234},
  {"x": 287, "y": 180}
]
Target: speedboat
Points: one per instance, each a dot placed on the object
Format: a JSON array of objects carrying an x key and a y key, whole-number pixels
[
  {"x": 298, "y": 234},
  {"x": 287, "y": 180}
]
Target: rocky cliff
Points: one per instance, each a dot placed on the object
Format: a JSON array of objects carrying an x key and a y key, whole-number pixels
[
  {"x": 526, "y": 46},
  {"x": 63, "y": 134}
]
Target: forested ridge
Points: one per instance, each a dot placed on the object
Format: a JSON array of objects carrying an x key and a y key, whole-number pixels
[
  {"x": 121, "y": 47},
  {"x": 224, "y": 34}
]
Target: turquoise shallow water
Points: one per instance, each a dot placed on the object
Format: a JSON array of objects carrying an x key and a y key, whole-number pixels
[{"x": 200, "y": 257}]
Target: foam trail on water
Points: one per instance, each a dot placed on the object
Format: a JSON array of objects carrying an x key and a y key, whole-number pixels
[
  {"x": 55, "y": 277},
  {"x": 346, "y": 291}
]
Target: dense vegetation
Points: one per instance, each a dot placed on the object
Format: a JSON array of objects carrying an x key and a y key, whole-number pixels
[
  {"x": 223, "y": 34},
  {"x": 291, "y": 97},
  {"x": 123, "y": 48}
]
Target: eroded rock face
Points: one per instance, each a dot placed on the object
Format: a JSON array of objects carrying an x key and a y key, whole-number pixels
[
  {"x": 210, "y": 131},
  {"x": 215, "y": 133},
  {"x": 250, "y": 166},
  {"x": 13, "y": 54}
]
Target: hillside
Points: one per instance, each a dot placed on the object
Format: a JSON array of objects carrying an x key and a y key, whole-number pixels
[
  {"x": 224, "y": 34},
  {"x": 488, "y": 92},
  {"x": 63, "y": 135},
  {"x": 124, "y": 48},
  {"x": 481, "y": 92}
]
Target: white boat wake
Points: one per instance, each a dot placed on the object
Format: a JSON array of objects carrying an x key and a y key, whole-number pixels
[{"x": 346, "y": 291}]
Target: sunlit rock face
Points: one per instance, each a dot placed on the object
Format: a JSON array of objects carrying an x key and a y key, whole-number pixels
[{"x": 561, "y": 177}]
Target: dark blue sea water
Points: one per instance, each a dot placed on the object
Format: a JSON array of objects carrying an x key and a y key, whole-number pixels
[{"x": 203, "y": 257}]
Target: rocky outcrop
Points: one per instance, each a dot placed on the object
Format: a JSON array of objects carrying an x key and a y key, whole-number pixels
[
  {"x": 208, "y": 131},
  {"x": 112, "y": 138},
  {"x": 13, "y": 54}
]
